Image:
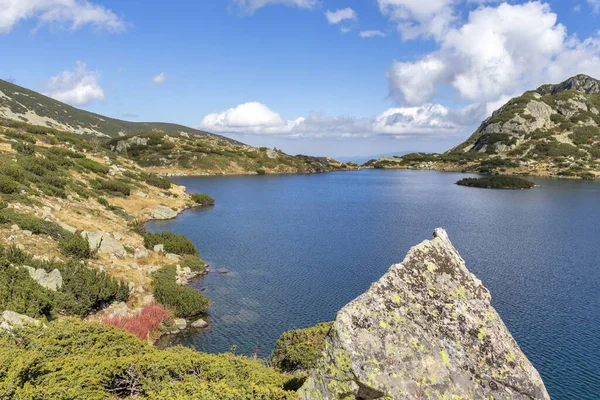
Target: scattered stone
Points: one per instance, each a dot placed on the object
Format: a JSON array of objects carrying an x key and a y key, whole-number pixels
[
  {"x": 141, "y": 254},
  {"x": 172, "y": 256},
  {"x": 159, "y": 248},
  {"x": 163, "y": 212},
  {"x": 15, "y": 228},
  {"x": 27, "y": 233},
  {"x": 179, "y": 324},
  {"x": 20, "y": 246},
  {"x": 199, "y": 324},
  {"x": 118, "y": 236},
  {"x": 142, "y": 194},
  {"x": 426, "y": 329}
]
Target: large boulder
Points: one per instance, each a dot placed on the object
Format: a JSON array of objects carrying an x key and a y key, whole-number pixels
[
  {"x": 425, "y": 330},
  {"x": 163, "y": 212}
]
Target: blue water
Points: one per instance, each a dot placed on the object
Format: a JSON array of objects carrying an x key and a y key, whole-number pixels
[{"x": 298, "y": 248}]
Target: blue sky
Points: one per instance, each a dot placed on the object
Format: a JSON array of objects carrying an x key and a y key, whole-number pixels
[{"x": 299, "y": 74}]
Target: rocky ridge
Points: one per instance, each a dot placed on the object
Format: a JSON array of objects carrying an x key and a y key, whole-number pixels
[
  {"x": 425, "y": 330},
  {"x": 551, "y": 131}
]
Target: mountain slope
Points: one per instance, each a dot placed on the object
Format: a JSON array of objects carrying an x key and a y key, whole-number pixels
[
  {"x": 554, "y": 130},
  {"x": 161, "y": 147}
]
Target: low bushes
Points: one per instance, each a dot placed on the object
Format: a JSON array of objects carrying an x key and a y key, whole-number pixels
[
  {"x": 113, "y": 187},
  {"x": 34, "y": 224},
  {"x": 185, "y": 301},
  {"x": 202, "y": 199},
  {"x": 299, "y": 350},
  {"x": 7, "y": 185},
  {"x": 83, "y": 289},
  {"x": 174, "y": 243},
  {"x": 142, "y": 324},
  {"x": 194, "y": 263},
  {"x": 23, "y": 148},
  {"x": 86, "y": 360},
  {"x": 75, "y": 246},
  {"x": 157, "y": 181},
  {"x": 93, "y": 166}
]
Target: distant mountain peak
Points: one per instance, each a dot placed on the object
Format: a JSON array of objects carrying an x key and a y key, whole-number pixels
[{"x": 581, "y": 83}]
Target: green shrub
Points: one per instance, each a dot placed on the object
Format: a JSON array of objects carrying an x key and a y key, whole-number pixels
[
  {"x": 93, "y": 166},
  {"x": 70, "y": 359},
  {"x": 21, "y": 294},
  {"x": 113, "y": 187},
  {"x": 157, "y": 181},
  {"x": 299, "y": 350},
  {"x": 497, "y": 182},
  {"x": 138, "y": 227},
  {"x": 23, "y": 148},
  {"x": 85, "y": 289},
  {"x": 195, "y": 263},
  {"x": 33, "y": 224},
  {"x": 64, "y": 153},
  {"x": 261, "y": 171},
  {"x": 185, "y": 301},
  {"x": 7, "y": 185},
  {"x": 174, "y": 243},
  {"x": 202, "y": 199},
  {"x": 75, "y": 246}
]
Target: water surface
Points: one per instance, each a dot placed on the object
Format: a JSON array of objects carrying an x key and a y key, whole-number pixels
[{"x": 298, "y": 248}]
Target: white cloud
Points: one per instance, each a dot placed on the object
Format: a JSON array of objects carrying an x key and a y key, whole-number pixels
[
  {"x": 335, "y": 17},
  {"x": 250, "y": 6},
  {"x": 595, "y": 5},
  {"x": 371, "y": 34},
  {"x": 497, "y": 52},
  {"x": 72, "y": 14},
  {"x": 257, "y": 119},
  {"x": 429, "y": 18},
  {"x": 78, "y": 87},
  {"x": 159, "y": 79}
]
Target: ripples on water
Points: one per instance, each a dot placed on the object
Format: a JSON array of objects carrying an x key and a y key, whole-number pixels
[{"x": 300, "y": 247}]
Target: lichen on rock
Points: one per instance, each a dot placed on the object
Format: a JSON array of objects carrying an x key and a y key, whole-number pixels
[{"x": 425, "y": 330}]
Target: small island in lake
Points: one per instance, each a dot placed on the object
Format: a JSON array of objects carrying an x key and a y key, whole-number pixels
[{"x": 497, "y": 182}]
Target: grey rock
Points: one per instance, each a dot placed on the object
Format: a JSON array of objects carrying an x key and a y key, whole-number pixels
[
  {"x": 179, "y": 324},
  {"x": 199, "y": 324},
  {"x": 426, "y": 330},
  {"x": 15, "y": 228},
  {"x": 141, "y": 194},
  {"x": 50, "y": 280},
  {"x": 163, "y": 212},
  {"x": 141, "y": 254},
  {"x": 109, "y": 245},
  {"x": 159, "y": 248},
  {"x": 10, "y": 319},
  {"x": 94, "y": 239},
  {"x": 66, "y": 227},
  {"x": 172, "y": 257},
  {"x": 27, "y": 233}
]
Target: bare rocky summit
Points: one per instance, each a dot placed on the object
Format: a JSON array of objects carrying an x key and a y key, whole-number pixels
[{"x": 425, "y": 330}]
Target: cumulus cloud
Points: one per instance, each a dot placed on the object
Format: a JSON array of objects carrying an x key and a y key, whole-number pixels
[
  {"x": 258, "y": 119},
  {"x": 250, "y": 6},
  {"x": 335, "y": 17},
  {"x": 371, "y": 34},
  {"x": 72, "y": 14},
  {"x": 595, "y": 5},
  {"x": 78, "y": 87},
  {"x": 414, "y": 18},
  {"x": 497, "y": 52},
  {"x": 159, "y": 78}
]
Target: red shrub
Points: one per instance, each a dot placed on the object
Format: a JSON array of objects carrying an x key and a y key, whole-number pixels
[{"x": 142, "y": 323}]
